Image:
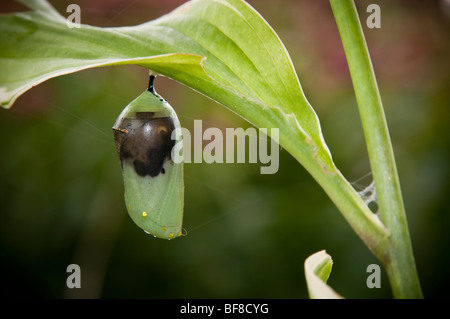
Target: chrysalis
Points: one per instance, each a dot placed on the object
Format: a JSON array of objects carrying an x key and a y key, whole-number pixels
[{"x": 153, "y": 181}]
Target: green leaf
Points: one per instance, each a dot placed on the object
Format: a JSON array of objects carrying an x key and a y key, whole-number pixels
[
  {"x": 317, "y": 270},
  {"x": 221, "y": 48}
]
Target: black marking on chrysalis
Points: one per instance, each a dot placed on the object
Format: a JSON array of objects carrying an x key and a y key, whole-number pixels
[
  {"x": 148, "y": 145},
  {"x": 151, "y": 87}
]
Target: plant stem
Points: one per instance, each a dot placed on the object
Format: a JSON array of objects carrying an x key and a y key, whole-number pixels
[{"x": 399, "y": 262}]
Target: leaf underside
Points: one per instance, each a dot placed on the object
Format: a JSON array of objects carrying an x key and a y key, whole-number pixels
[{"x": 317, "y": 270}]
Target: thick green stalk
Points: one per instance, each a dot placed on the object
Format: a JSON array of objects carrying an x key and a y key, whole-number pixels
[
  {"x": 399, "y": 261},
  {"x": 363, "y": 221}
]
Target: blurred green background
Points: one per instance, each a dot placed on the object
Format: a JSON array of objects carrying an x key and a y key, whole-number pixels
[{"x": 61, "y": 192}]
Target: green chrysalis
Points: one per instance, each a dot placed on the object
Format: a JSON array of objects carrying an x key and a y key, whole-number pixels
[{"x": 153, "y": 181}]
